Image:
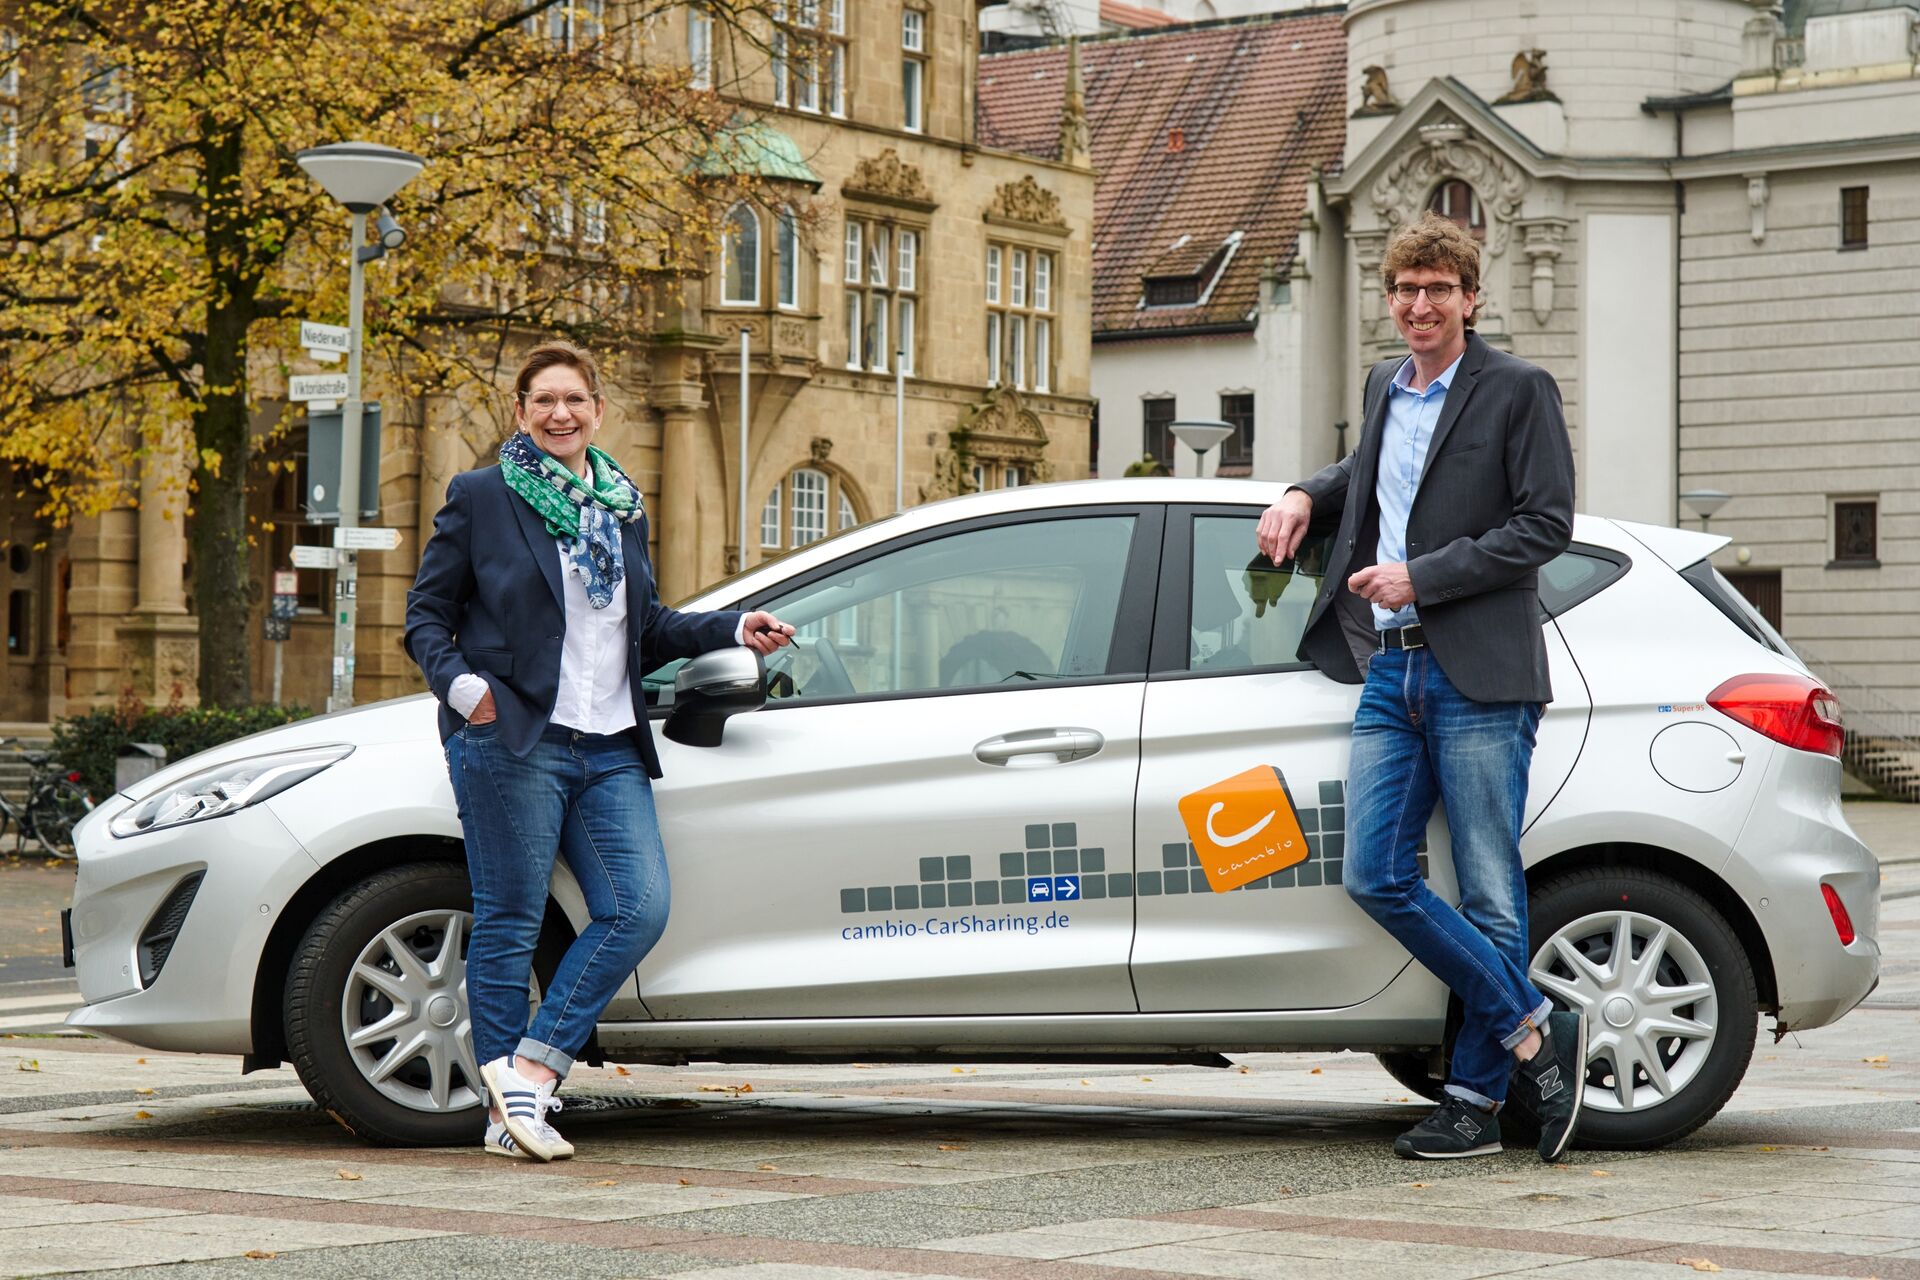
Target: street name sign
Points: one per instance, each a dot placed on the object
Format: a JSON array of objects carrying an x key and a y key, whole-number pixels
[
  {"x": 366, "y": 539},
  {"x": 317, "y": 386},
  {"x": 326, "y": 342}
]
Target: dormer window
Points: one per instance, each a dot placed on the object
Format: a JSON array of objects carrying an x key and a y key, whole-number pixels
[
  {"x": 1184, "y": 275},
  {"x": 1177, "y": 291}
]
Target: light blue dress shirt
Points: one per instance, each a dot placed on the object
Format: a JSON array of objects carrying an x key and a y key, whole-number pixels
[{"x": 1411, "y": 418}]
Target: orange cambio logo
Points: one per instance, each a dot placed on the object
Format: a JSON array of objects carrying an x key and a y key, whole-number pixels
[{"x": 1244, "y": 828}]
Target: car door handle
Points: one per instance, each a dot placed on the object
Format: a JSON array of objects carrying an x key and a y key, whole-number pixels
[{"x": 1062, "y": 744}]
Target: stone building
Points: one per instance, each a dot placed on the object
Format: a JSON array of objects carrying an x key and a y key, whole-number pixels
[
  {"x": 1702, "y": 216},
  {"x": 892, "y": 229}
]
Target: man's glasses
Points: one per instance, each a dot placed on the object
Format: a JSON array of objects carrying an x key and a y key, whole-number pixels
[
  {"x": 1436, "y": 293},
  {"x": 542, "y": 403}
]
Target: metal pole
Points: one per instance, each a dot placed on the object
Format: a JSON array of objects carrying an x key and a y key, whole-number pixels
[
  {"x": 346, "y": 587},
  {"x": 279, "y": 663},
  {"x": 899, "y": 431},
  {"x": 745, "y": 343}
]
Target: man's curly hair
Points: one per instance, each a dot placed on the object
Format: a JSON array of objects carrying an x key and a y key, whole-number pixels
[{"x": 1435, "y": 243}]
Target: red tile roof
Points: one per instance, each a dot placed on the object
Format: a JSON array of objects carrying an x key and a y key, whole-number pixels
[
  {"x": 1198, "y": 131},
  {"x": 1116, "y": 14}
]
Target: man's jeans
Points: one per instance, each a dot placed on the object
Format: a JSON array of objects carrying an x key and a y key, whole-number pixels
[
  {"x": 1417, "y": 739},
  {"x": 588, "y": 797}
]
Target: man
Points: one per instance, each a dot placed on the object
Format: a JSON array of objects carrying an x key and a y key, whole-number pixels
[{"x": 1460, "y": 489}]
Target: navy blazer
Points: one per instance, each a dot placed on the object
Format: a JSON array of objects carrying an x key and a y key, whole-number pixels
[{"x": 488, "y": 599}]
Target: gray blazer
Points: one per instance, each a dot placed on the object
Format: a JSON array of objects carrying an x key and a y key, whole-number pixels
[{"x": 1494, "y": 504}]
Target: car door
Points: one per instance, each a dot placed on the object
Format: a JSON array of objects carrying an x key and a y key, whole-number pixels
[
  {"x": 923, "y": 818},
  {"x": 1226, "y": 695}
]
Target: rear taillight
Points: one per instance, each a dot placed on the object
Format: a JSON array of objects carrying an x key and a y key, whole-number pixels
[
  {"x": 1842, "y": 922},
  {"x": 1796, "y": 710}
]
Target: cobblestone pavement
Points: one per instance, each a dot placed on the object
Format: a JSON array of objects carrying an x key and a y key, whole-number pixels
[{"x": 118, "y": 1162}]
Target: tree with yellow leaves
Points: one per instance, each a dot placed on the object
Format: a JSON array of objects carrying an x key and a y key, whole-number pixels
[{"x": 164, "y": 243}]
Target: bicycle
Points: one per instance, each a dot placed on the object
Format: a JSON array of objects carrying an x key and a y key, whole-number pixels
[{"x": 55, "y": 804}]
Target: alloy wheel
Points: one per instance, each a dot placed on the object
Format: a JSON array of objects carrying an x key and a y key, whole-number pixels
[{"x": 1649, "y": 999}]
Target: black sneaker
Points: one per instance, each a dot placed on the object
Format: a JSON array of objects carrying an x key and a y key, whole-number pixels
[
  {"x": 1551, "y": 1081},
  {"x": 1455, "y": 1130}
]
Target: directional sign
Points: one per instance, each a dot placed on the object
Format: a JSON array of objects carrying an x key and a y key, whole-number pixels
[
  {"x": 315, "y": 558},
  {"x": 317, "y": 386},
  {"x": 366, "y": 539},
  {"x": 326, "y": 341},
  {"x": 1066, "y": 888},
  {"x": 278, "y": 630},
  {"x": 286, "y": 582}
]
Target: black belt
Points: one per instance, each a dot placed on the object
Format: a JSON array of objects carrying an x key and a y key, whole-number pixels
[{"x": 1407, "y": 637}]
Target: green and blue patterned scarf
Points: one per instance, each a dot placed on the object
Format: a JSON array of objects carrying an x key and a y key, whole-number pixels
[{"x": 584, "y": 514}]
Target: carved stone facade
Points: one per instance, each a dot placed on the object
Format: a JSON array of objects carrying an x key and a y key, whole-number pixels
[{"x": 1028, "y": 202}]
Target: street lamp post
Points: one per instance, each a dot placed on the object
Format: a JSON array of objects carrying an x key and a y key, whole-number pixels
[
  {"x": 1200, "y": 435},
  {"x": 362, "y": 176},
  {"x": 1704, "y": 502}
]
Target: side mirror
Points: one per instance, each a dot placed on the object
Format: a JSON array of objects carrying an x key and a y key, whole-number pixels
[{"x": 713, "y": 686}]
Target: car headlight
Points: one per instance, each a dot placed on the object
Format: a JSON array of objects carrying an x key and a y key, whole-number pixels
[{"x": 225, "y": 788}]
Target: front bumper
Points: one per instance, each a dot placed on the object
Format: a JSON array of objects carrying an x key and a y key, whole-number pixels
[
  {"x": 1796, "y": 840},
  {"x": 201, "y": 1001}
]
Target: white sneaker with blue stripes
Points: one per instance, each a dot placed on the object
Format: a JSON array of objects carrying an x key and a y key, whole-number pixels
[
  {"x": 524, "y": 1106},
  {"x": 501, "y": 1143}
]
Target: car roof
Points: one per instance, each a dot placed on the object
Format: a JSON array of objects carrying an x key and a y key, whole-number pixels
[{"x": 1676, "y": 547}]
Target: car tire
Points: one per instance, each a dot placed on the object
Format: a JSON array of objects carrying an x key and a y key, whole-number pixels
[
  {"x": 1588, "y": 912},
  {"x": 433, "y": 1098},
  {"x": 1410, "y": 1069}
]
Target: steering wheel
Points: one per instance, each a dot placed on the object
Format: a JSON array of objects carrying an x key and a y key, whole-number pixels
[{"x": 832, "y": 679}]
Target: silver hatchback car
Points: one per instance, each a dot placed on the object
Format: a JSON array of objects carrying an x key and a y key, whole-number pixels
[{"x": 946, "y": 825}]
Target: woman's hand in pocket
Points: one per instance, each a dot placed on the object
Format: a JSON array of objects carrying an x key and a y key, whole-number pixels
[{"x": 483, "y": 712}]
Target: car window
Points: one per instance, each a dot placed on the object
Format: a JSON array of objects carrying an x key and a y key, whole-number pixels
[
  {"x": 1243, "y": 611},
  {"x": 1575, "y": 575},
  {"x": 992, "y": 607}
]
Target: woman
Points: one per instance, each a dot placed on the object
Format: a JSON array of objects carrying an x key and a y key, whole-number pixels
[{"x": 533, "y": 617}]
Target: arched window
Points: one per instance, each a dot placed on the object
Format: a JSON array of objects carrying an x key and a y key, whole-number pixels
[
  {"x": 787, "y": 258},
  {"x": 740, "y": 258},
  {"x": 1457, "y": 200},
  {"x": 808, "y": 505}
]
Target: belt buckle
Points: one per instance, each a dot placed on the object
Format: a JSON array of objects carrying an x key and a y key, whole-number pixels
[{"x": 1411, "y": 642}]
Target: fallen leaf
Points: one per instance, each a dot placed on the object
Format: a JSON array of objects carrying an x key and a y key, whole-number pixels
[
  {"x": 29, "y": 1064},
  {"x": 1601, "y": 1173},
  {"x": 143, "y": 1115},
  {"x": 1700, "y": 1264},
  {"x": 767, "y": 1168},
  {"x": 606, "y": 1182},
  {"x": 685, "y": 1182},
  {"x": 1876, "y": 1058},
  {"x": 620, "y": 1070},
  {"x": 953, "y": 1146},
  {"x": 1086, "y": 1082},
  {"x": 259, "y": 1253},
  {"x": 144, "y": 1092},
  {"x": 1769, "y": 1148},
  {"x": 139, "y": 1062},
  {"x": 746, "y": 1088},
  {"x": 1246, "y": 1071},
  {"x": 1316, "y": 1071},
  {"x": 1146, "y": 1079},
  {"x": 346, "y": 1175},
  {"x": 1418, "y": 1185}
]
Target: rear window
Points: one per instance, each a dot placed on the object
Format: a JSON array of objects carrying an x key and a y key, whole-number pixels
[
  {"x": 1577, "y": 574},
  {"x": 1725, "y": 597}
]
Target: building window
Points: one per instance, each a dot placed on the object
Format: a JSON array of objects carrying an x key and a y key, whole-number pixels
[
  {"x": 593, "y": 220},
  {"x": 1853, "y": 217},
  {"x": 740, "y": 254},
  {"x": 806, "y": 497},
  {"x": 9, "y": 139},
  {"x": 1021, "y": 329},
  {"x": 572, "y": 25},
  {"x": 810, "y": 55},
  {"x": 1460, "y": 202},
  {"x": 1172, "y": 291},
  {"x": 1156, "y": 419},
  {"x": 913, "y": 71},
  {"x": 881, "y": 269},
  {"x": 699, "y": 45},
  {"x": 787, "y": 258},
  {"x": 1856, "y": 533},
  {"x": 9, "y": 64},
  {"x": 1236, "y": 410}
]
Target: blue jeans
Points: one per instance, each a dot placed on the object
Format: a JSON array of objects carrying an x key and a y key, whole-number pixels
[
  {"x": 586, "y": 796},
  {"x": 1416, "y": 740}
]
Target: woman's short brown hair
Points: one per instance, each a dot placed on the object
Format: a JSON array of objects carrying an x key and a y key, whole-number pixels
[
  {"x": 1434, "y": 243},
  {"x": 549, "y": 354}
]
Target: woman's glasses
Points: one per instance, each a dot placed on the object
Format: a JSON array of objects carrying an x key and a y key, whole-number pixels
[{"x": 542, "y": 403}]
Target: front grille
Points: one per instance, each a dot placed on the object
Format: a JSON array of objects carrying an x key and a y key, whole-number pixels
[{"x": 157, "y": 939}]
